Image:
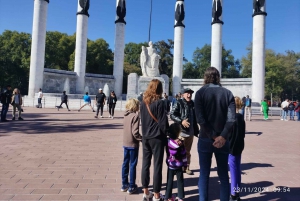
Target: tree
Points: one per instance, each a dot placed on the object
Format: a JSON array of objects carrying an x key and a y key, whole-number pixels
[
  {"x": 132, "y": 53},
  {"x": 15, "y": 59}
]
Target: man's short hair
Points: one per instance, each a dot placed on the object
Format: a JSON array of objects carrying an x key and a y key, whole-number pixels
[
  {"x": 8, "y": 86},
  {"x": 86, "y": 93}
]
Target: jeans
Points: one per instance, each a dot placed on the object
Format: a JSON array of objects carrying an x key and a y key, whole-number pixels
[
  {"x": 298, "y": 115},
  {"x": 248, "y": 111},
  {"x": 99, "y": 107},
  {"x": 291, "y": 114},
  {"x": 14, "y": 110},
  {"x": 39, "y": 102},
  {"x": 205, "y": 151},
  {"x": 180, "y": 183},
  {"x": 235, "y": 173},
  {"x": 4, "y": 111},
  {"x": 155, "y": 147},
  {"x": 284, "y": 115},
  {"x": 111, "y": 109},
  {"x": 129, "y": 166}
]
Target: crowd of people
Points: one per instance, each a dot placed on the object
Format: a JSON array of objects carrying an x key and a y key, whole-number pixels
[{"x": 222, "y": 132}]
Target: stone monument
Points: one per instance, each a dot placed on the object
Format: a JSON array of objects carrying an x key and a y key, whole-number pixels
[
  {"x": 258, "y": 50},
  {"x": 149, "y": 61}
]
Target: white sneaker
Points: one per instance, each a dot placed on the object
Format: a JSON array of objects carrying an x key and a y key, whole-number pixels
[
  {"x": 281, "y": 119},
  {"x": 285, "y": 120},
  {"x": 101, "y": 116},
  {"x": 112, "y": 117},
  {"x": 147, "y": 197},
  {"x": 109, "y": 116}
]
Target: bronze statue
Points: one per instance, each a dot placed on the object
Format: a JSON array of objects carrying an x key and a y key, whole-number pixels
[
  {"x": 179, "y": 15},
  {"x": 217, "y": 11},
  {"x": 121, "y": 11},
  {"x": 257, "y": 5},
  {"x": 85, "y": 5}
]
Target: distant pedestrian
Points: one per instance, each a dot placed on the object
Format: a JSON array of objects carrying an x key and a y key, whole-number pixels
[
  {"x": 100, "y": 100},
  {"x": 40, "y": 96},
  {"x": 131, "y": 139},
  {"x": 140, "y": 97},
  {"x": 236, "y": 147},
  {"x": 176, "y": 161},
  {"x": 174, "y": 100},
  {"x": 111, "y": 102},
  {"x": 87, "y": 101},
  {"x": 242, "y": 110},
  {"x": 5, "y": 100},
  {"x": 291, "y": 110},
  {"x": 285, "y": 108},
  {"x": 248, "y": 108},
  {"x": 64, "y": 100},
  {"x": 265, "y": 109},
  {"x": 16, "y": 103},
  {"x": 167, "y": 103}
]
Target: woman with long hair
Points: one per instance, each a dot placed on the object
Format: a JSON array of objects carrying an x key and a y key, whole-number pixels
[
  {"x": 111, "y": 102},
  {"x": 154, "y": 128},
  {"x": 16, "y": 103}
]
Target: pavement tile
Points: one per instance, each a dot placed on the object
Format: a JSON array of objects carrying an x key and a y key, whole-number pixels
[
  {"x": 39, "y": 186},
  {"x": 84, "y": 197},
  {"x": 6, "y": 197},
  {"x": 56, "y": 197},
  {"x": 27, "y": 197},
  {"x": 72, "y": 185},
  {"x": 100, "y": 191},
  {"x": 46, "y": 191},
  {"x": 80, "y": 181},
  {"x": 71, "y": 191},
  {"x": 19, "y": 191}
]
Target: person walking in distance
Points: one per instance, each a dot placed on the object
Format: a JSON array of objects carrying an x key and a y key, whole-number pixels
[
  {"x": 236, "y": 147},
  {"x": 154, "y": 128},
  {"x": 215, "y": 113},
  {"x": 64, "y": 100},
  {"x": 87, "y": 101},
  {"x": 131, "y": 140},
  {"x": 265, "y": 109},
  {"x": 111, "y": 102},
  {"x": 40, "y": 96},
  {"x": 183, "y": 113},
  {"x": 297, "y": 110},
  {"x": 292, "y": 110},
  {"x": 100, "y": 100},
  {"x": 248, "y": 108},
  {"x": 5, "y": 100},
  {"x": 16, "y": 102},
  {"x": 176, "y": 161},
  {"x": 285, "y": 109}
]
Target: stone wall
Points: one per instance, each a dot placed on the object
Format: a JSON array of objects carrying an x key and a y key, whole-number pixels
[
  {"x": 238, "y": 86},
  {"x": 56, "y": 81}
]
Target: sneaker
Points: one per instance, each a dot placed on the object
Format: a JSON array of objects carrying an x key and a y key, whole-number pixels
[
  {"x": 189, "y": 172},
  {"x": 281, "y": 119},
  {"x": 20, "y": 118},
  {"x": 124, "y": 188},
  {"x": 132, "y": 190},
  {"x": 13, "y": 118},
  {"x": 93, "y": 110},
  {"x": 147, "y": 197},
  {"x": 96, "y": 116},
  {"x": 101, "y": 116},
  {"x": 109, "y": 116},
  {"x": 69, "y": 110},
  {"x": 112, "y": 117},
  {"x": 161, "y": 198}
]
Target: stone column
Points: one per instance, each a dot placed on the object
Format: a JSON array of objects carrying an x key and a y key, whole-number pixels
[
  {"x": 119, "y": 46},
  {"x": 81, "y": 45},
  {"x": 178, "y": 46},
  {"x": 37, "y": 58},
  {"x": 258, "y": 51},
  {"x": 216, "y": 39}
]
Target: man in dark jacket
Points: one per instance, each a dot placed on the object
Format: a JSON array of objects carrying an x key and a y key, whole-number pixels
[
  {"x": 183, "y": 112},
  {"x": 100, "y": 100},
  {"x": 5, "y": 100},
  {"x": 64, "y": 99},
  {"x": 215, "y": 113}
]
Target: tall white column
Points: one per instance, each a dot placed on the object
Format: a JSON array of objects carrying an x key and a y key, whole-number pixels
[
  {"x": 119, "y": 46},
  {"x": 216, "y": 39},
  {"x": 258, "y": 53},
  {"x": 178, "y": 46},
  {"x": 81, "y": 46},
  {"x": 37, "y": 58}
]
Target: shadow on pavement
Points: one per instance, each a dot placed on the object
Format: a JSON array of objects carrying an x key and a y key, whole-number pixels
[{"x": 258, "y": 133}]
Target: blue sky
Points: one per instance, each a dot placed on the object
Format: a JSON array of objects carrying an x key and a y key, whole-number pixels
[{"x": 282, "y": 31}]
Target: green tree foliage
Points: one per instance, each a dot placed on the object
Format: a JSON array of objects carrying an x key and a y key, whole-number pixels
[
  {"x": 282, "y": 77},
  {"x": 202, "y": 60},
  {"x": 15, "y": 59}
]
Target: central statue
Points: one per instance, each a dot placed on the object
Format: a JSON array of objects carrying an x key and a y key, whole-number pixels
[{"x": 149, "y": 61}]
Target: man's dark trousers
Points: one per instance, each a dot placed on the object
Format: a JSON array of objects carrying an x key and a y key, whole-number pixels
[
  {"x": 99, "y": 107},
  {"x": 4, "y": 111}
]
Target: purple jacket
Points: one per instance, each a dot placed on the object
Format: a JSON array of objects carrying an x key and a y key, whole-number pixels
[{"x": 176, "y": 155}]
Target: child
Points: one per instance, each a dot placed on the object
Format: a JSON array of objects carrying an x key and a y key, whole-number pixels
[
  {"x": 265, "y": 109},
  {"x": 176, "y": 161},
  {"x": 236, "y": 146},
  {"x": 131, "y": 139}
]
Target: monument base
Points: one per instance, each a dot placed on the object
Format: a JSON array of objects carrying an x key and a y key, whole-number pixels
[{"x": 138, "y": 84}]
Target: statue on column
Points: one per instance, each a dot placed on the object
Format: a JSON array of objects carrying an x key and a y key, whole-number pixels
[
  {"x": 121, "y": 11},
  {"x": 85, "y": 5},
  {"x": 217, "y": 11},
  {"x": 257, "y": 5},
  {"x": 179, "y": 15},
  {"x": 149, "y": 60}
]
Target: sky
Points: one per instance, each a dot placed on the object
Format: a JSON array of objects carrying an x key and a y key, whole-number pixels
[{"x": 282, "y": 22}]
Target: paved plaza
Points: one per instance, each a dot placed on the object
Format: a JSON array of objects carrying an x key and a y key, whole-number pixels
[{"x": 61, "y": 155}]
